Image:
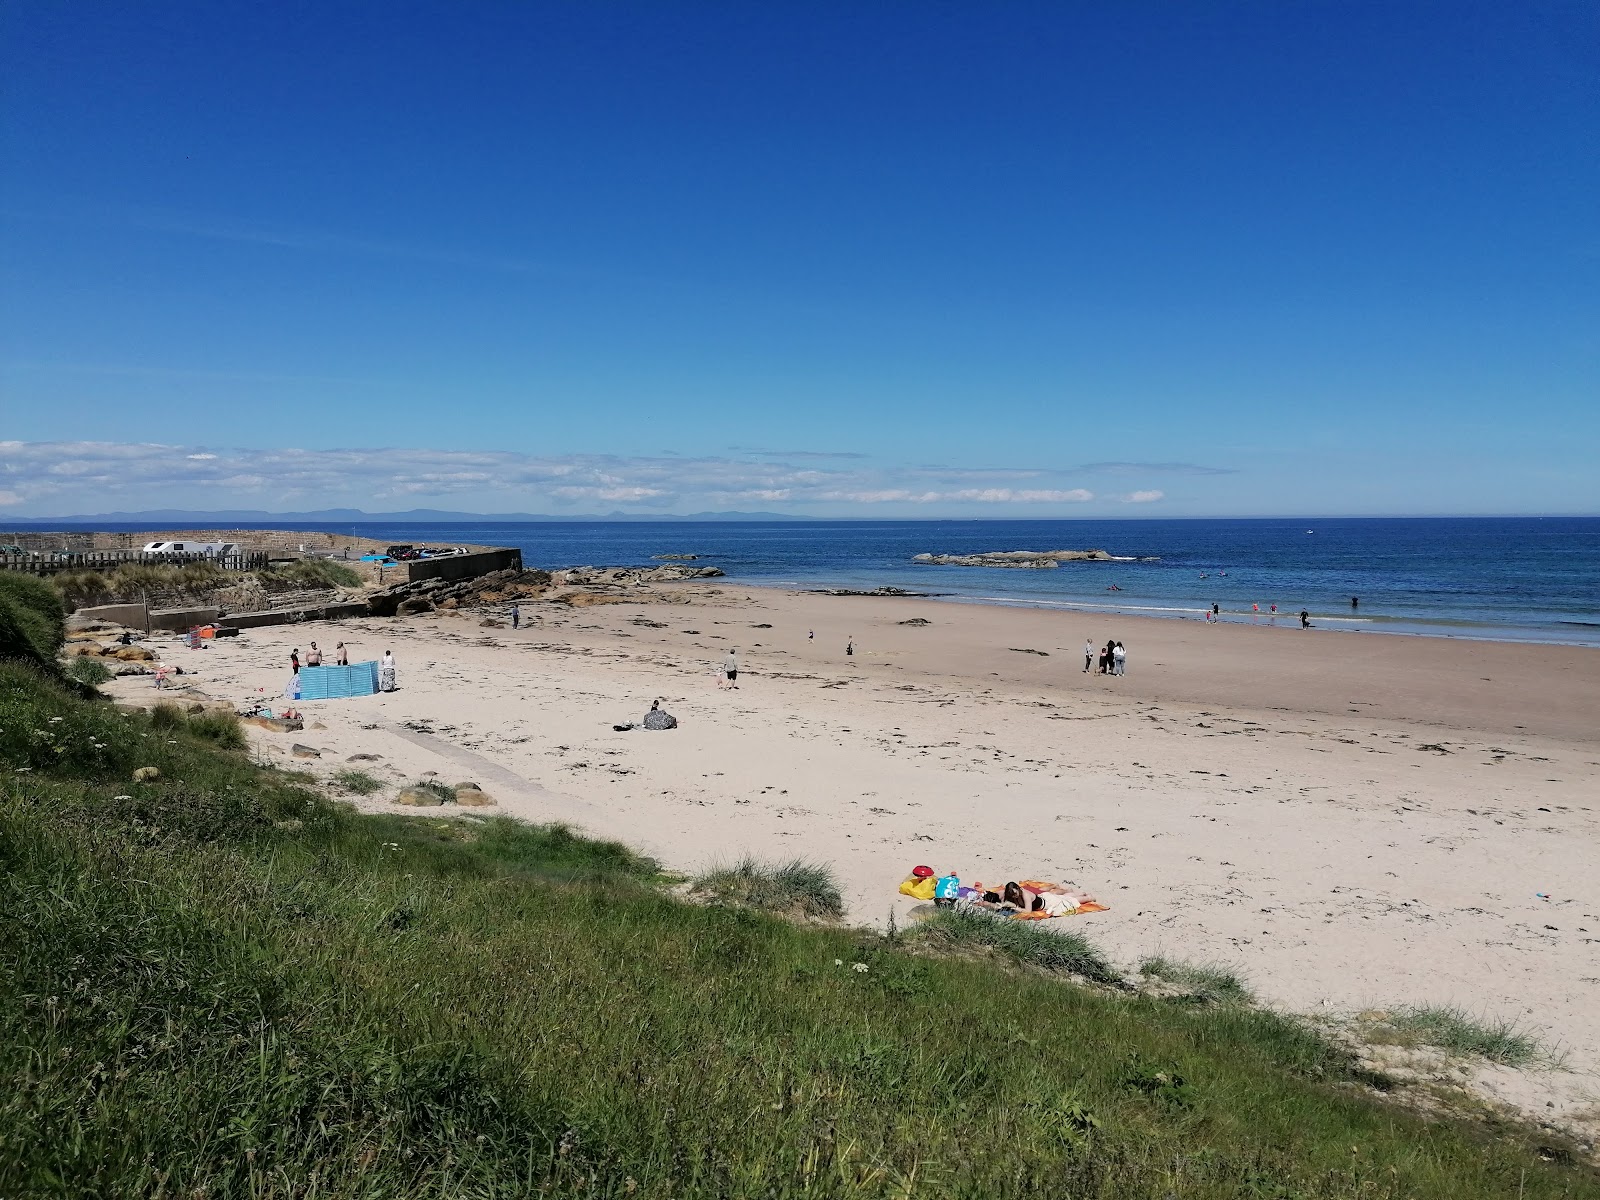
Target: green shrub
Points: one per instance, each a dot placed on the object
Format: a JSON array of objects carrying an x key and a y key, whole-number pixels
[
  {"x": 90, "y": 670},
  {"x": 1065, "y": 951},
  {"x": 32, "y": 619},
  {"x": 796, "y": 887}
]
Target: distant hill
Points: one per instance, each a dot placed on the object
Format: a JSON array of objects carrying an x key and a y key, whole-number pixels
[{"x": 251, "y": 516}]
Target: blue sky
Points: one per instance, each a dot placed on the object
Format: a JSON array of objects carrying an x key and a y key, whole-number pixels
[{"x": 994, "y": 259}]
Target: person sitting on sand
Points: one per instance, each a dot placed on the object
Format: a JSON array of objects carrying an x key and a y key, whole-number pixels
[{"x": 659, "y": 718}]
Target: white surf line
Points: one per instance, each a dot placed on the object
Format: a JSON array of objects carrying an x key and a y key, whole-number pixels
[{"x": 486, "y": 769}]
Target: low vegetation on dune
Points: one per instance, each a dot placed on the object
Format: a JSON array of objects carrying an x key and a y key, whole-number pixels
[
  {"x": 215, "y": 981},
  {"x": 797, "y": 888},
  {"x": 140, "y": 581}
]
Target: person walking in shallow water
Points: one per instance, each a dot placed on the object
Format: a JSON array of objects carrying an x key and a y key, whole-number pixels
[{"x": 1305, "y": 619}]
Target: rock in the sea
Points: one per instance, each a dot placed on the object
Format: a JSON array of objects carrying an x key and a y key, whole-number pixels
[
  {"x": 419, "y": 797},
  {"x": 146, "y": 774},
  {"x": 675, "y": 557},
  {"x": 300, "y": 750},
  {"x": 1026, "y": 559}
]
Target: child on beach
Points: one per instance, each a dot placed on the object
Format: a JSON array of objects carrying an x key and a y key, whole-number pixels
[{"x": 947, "y": 890}]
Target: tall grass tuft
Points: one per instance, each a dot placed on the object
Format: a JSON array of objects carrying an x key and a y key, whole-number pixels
[
  {"x": 1201, "y": 982},
  {"x": 357, "y": 783},
  {"x": 308, "y": 573},
  {"x": 89, "y": 670},
  {"x": 1454, "y": 1030},
  {"x": 797, "y": 888},
  {"x": 219, "y": 726},
  {"x": 1066, "y": 951}
]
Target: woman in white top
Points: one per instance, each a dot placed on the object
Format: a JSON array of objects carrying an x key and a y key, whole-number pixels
[{"x": 386, "y": 670}]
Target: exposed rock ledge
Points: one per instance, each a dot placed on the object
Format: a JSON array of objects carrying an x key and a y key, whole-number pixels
[{"x": 1017, "y": 558}]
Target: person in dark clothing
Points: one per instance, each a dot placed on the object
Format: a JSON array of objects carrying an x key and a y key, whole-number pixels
[
  {"x": 516, "y": 615},
  {"x": 1305, "y": 619},
  {"x": 294, "y": 660},
  {"x": 1355, "y": 602}
]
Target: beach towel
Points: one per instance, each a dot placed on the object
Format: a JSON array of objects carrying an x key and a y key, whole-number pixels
[
  {"x": 919, "y": 888},
  {"x": 1058, "y": 901}
]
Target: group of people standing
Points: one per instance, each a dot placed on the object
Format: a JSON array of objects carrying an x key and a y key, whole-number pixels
[
  {"x": 1112, "y": 658},
  {"x": 341, "y": 657}
]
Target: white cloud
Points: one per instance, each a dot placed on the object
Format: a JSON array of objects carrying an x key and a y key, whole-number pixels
[
  {"x": 1149, "y": 497},
  {"x": 65, "y": 477}
]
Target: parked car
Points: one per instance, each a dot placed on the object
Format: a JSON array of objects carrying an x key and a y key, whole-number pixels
[{"x": 401, "y": 553}]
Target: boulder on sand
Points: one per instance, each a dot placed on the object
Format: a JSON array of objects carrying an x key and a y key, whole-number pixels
[
  {"x": 300, "y": 750},
  {"x": 419, "y": 797},
  {"x": 133, "y": 654},
  {"x": 472, "y": 796}
]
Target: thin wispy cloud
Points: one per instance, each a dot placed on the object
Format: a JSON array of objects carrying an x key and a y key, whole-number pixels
[
  {"x": 95, "y": 476},
  {"x": 1159, "y": 468}
]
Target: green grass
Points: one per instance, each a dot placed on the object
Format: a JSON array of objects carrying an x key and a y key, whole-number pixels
[
  {"x": 797, "y": 888},
  {"x": 308, "y": 573},
  {"x": 1201, "y": 982},
  {"x": 1454, "y": 1030},
  {"x": 31, "y": 617},
  {"x": 1064, "y": 951},
  {"x": 221, "y": 983},
  {"x": 88, "y": 670},
  {"x": 357, "y": 783}
]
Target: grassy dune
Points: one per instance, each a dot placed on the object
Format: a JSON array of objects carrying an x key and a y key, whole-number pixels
[{"x": 219, "y": 983}]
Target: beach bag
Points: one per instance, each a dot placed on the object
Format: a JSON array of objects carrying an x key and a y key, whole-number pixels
[
  {"x": 948, "y": 888},
  {"x": 919, "y": 889}
]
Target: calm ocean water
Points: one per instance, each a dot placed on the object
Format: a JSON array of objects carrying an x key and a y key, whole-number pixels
[{"x": 1518, "y": 578}]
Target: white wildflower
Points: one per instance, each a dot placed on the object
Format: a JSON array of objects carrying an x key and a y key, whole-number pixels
[
  {"x": 858, "y": 967},
  {"x": 838, "y": 962}
]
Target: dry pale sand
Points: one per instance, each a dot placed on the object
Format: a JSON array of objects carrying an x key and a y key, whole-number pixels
[{"x": 1351, "y": 821}]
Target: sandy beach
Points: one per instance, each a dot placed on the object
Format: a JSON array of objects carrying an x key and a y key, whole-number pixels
[{"x": 1351, "y": 821}]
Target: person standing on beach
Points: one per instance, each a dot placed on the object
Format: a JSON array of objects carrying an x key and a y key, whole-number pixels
[
  {"x": 341, "y": 655},
  {"x": 1119, "y": 659},
  {"x": 516, "y": 615},
  {"x": 730, "y": 668},
  {"x": 850, "y": 647},
  {"x": 1088, "y": 655},
  {"x": 294, "y": 661},
  {"x": 386, "y": 672},
  {"x": 1216, "y": 610},
  {"x": 1305, "y": 619},
  {"x": 313, "y": 656}
]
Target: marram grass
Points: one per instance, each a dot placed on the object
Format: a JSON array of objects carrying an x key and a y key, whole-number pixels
[{"x": 218, "y": 983}]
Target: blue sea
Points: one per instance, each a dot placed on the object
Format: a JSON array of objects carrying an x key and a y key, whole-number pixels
[{"x": 1511, "y": 578}]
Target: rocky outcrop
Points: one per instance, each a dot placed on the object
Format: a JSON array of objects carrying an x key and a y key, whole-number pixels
[
  {"x": 1026, "y": 559},
  {"x": 675, "y": 557},
  {"x": 629, "y": 576}
]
